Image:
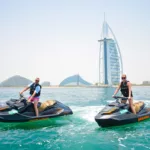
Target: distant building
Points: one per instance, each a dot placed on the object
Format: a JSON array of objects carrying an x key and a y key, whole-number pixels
[
  {"x": 110, "y": 60},
  {"x": 146, "y": 82},
  {"x": 74, "y": 80}
]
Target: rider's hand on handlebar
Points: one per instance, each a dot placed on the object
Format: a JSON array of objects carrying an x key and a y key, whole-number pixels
[
  {"x": 113, "y": 96},
  {"x": 129, "y": 98},
  {"x": 28, "y": 100},
  {"x": 21, "y": 95}
]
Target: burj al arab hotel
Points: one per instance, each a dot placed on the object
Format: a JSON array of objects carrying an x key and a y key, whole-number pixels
[{"x": 110, "y": 60}]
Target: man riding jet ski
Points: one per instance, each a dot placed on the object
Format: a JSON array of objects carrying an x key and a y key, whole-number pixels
[
  {"x": 19, "y": 110},
  {"x": 119, "y": 113}
]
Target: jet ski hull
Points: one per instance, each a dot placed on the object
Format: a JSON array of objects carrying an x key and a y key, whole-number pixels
[
  {"x": 120, "y": 114},
  {"x": 21, "y": 118},
  {"x": 24, "y": 113},
  {"x": 122, "y": 120}
]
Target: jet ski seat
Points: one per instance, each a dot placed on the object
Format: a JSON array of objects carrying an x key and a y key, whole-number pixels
[
  {"x": 139, "y": 106},
  {"x": 46, "y": 104}
]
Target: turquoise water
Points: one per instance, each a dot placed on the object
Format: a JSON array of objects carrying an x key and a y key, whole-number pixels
[{"x": 77, "y": 131}]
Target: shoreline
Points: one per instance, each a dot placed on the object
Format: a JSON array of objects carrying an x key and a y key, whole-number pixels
[{"x": 56, "y": 86}]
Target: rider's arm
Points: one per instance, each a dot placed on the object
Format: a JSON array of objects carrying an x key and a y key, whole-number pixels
[
  {"x": 32, "y": 96},
  {"x": 37, "y": 89},
  {"x": 129, "y": 87},
  {"x": 26, "y": 88},
  {"x": 117, "y": 89}
]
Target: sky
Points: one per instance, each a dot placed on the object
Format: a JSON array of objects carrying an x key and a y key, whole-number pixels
[{"x": 55, "y": 39}]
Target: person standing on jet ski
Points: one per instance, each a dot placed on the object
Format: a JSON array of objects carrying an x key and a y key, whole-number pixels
[
  {"x": 125, "y": 88},
  {"x": 35, "y": 91}
]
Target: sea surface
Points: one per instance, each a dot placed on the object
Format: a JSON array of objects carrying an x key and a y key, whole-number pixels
[{"x": 78, "y": 131}]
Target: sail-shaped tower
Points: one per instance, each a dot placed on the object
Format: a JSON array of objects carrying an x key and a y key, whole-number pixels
[{"x": 110, "y": 60}]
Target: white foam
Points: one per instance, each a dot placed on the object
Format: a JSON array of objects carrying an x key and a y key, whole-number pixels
[
  {"x": 3, "y": 100},
  {"x": 88, "y": 112},
  {"x": 110, "y": 101}
]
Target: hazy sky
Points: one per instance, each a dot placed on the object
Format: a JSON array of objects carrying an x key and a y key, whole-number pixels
[{"x": 54, "y": 39}]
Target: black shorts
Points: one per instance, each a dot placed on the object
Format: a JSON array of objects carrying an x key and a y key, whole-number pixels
[{"x": 127, "y": 95}]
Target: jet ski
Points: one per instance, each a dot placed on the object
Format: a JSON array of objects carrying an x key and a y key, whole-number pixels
[
  {"x": 119, "y": 113},
  {"x": 19, "y": 110}
]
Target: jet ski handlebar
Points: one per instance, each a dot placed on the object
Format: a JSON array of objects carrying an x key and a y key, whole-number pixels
[
  {"x": 22, "y": 98},
  {"x": 21, "y": 95},
  {"x": 120, "y": 97}
]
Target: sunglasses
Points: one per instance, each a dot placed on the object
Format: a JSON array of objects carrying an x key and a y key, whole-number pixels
[{"x": 123, "y": 78}]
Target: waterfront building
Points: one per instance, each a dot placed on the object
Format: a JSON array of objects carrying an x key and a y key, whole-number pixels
[{"x": 110, "y": 60}]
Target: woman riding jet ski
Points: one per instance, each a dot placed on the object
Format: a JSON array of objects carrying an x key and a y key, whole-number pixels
[
  {"x": 118, "y": 113},
  {"x": 19, "y": 110},
  {"x": 126, "y": 91}
]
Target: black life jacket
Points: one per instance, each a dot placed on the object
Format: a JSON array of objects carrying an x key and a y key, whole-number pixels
[
  {"x": 32, "y": 89},
  {"x": 124, "y": 89}
]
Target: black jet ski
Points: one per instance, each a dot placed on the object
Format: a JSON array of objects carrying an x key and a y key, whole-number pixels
[
  {"x": 19, "y": 110},
  {"x": 119, "y": 113}
]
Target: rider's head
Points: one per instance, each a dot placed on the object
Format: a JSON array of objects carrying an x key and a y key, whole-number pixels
[
  {"x": 123, "y": 77},
  {"x": 37, "y": 80}
]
